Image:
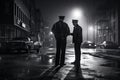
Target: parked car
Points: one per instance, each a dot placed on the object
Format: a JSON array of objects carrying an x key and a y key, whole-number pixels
[
  {"x": 108, "y": 45},
  {"x": 88, "y": 44},
  {"x": 37, "y": 45},
  {"x": 19, "y": 44}
]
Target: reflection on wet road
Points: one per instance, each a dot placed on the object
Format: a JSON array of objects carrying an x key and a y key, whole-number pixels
[
  {"x": 32, "y": 66},
  {"x": 13, "y": 67},
  {"x": 96, "y": 67}
]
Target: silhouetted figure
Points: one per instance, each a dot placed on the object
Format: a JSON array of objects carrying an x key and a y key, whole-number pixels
[
  {"x": 60, "y": 30},
  {"x": 77, "y": 40},
  {"x": 75, "y": 75}
]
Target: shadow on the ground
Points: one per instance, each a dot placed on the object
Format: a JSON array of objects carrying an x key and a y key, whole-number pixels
[
  {"x": 74, "y": 75},
  {"x": 49, "y": 74}
]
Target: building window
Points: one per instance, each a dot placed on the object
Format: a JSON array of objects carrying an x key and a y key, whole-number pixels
[
  {"x": 15, "y": 9},
  {"x": 18, "y": 12},
  {"x": 21, "y": 17}
]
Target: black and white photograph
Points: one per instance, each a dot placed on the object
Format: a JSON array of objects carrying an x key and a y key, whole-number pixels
[{"x": 59, "y": 40}]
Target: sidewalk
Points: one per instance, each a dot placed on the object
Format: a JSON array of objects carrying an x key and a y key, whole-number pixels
[{"x": 108, "y": 53}]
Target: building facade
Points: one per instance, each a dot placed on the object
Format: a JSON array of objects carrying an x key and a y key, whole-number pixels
[
  {"x": 107, "y": 23},
  {"x": 14, "y": 19}
]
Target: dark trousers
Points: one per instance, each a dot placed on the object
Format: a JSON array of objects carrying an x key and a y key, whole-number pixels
[
  {"x": 60, "y": 52},
  {"x": 77, "y": 54}
]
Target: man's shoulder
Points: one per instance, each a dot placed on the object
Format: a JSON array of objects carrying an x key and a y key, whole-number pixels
[
  {"x": 55, "y": 23},
  {"x": 65, "y": 24},
  {"x": 79, "y": 27}
]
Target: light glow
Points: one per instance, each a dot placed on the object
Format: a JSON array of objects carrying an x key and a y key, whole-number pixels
[
  {"x": 23, "y": 25},
  {"x": 51, "y": 33},
  {"x": 91, "y": 28},
  {"x": 76, "y": 13}
]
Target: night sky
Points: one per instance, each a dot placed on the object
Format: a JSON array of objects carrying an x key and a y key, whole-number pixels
[{"x": 51, "y": 9}]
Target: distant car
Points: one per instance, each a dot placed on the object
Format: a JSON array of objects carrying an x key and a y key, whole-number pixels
[
  {"x": 19, "y": 44},
  {"x": 88, "y": 44},
  {"x": 37, "y": 45},
  {"x": 108, "y": 45}
]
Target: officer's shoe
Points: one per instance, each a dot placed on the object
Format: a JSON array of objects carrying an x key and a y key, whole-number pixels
[
  {"x": 72, "y": 62},
  {"x": 62, "y": 65}
]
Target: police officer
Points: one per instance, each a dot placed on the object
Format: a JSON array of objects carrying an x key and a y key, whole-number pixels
[
  {"x": 60, "y": 30},
  {"x": 77, "y": 40}
]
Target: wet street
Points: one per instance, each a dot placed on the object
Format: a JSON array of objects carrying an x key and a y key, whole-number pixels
[
  {"x": 40, "y": 66},
  {"x": 32, "y": 30}
]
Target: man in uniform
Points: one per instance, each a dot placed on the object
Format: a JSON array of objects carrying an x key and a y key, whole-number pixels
[
  {"x": 77, "y": 40},
  {"x": 60, "y": 30}
]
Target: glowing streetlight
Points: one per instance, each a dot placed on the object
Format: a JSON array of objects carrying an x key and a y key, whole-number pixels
[
  {"x": 91, "y": 28},
  {"x": 76, "y": 13},
  {"x": 50, "y": 33}
]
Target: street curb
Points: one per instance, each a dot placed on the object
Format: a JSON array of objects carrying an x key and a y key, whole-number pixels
[{"x": 106, "y": 56}]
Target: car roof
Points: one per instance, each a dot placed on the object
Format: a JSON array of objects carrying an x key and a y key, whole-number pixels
[{"x": 20, "y": 38}]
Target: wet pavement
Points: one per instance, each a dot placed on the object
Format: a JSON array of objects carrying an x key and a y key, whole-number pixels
[
  {"x": 40, "y": 66},
  {"x": 23, "y": 66}
]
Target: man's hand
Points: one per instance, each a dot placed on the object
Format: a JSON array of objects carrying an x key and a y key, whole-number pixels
[{"x": 71, "y": 34}]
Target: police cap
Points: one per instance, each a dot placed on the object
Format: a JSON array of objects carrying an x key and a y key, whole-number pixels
[
  {"x": 61, "y": 17},
  {"x": 75, "y": 21}
]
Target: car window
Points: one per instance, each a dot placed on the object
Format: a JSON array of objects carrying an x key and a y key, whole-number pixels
[{"x": 22, "y": 39}]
